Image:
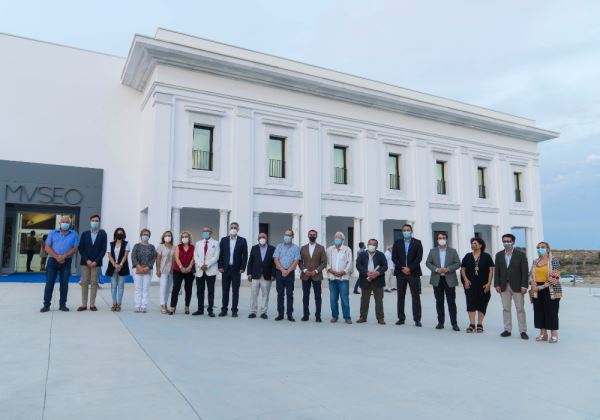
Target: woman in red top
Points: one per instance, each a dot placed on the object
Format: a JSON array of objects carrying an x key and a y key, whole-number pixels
[{"x": 183, "y": 271}]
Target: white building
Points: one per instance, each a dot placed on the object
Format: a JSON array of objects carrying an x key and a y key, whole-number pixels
[{"x": 189, "y": 132}]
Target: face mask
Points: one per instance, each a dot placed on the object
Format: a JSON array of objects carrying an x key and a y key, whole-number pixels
[
  {"x": 94, "y": 225},
  {"x": 233, "y": 232},
  {"x": 371, "y": 248},
  {"x": 145, "y": 238},
  {"x": 542, "y": 251},
  {"x": 206, "y": 235},
  {"x": 185, "y": 240},
  {"x": 507, "y": 245},
  {"x": 337, "y": 241},
  {"x": 120, "y": 236},
  {"x": 262, "y": 241},
  {"x": 65, "y": 226},
  {"x": 407, "y": 234},
  {"x": 442, "y": 242},
  {"x": 287, "y": 239},
  {"x": 312, "y": 238},
  {"x": 168, "y": 239}
]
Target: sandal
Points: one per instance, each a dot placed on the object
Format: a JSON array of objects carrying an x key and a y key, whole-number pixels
[
  {"x": 553, "y": 340},
  {"x": 470, "y": 329},
  {"x": 187, "y": 310},
  {"x": 479, "y": 328},
  {"x": 163, "y": 309},
  {"x": 113, "y": 307},
  {"x": 542, "y": 337}
]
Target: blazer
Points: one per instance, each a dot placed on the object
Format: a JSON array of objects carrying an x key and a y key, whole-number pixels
[
  {"x": 362, "y": 266},
  {"x": 516, "y": 274},
  {"x": 110, "y": 270},
  {"x": 95, "y": 251},
  {"x": 318, "y": 262},
  {"x": 211, "y": 259},
  {"x": 452, "y": 263},
  {"x": 257, "y": 267},
  {"x": 415, "y": 255},
  {"x": 240, "y": 254}
]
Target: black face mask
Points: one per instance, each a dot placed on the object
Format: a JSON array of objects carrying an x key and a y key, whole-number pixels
[
  {"x": 312, "y": 238},
  {"x": 120, "y": 236}
]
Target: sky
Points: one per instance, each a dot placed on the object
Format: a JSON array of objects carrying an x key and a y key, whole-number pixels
[{"x": 537, "y": 59}]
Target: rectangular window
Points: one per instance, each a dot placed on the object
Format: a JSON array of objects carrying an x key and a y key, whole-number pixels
[
  {"x": 277, "y": 157},
  {"x": 481, "y": 178},
  {"x": 518, "y": 194},
  {"x": 339, "y": 163},
  {"x": 441, "y": 177},
  {"x": 202, "y": 149},
  {"x": 394, "y": 171}
]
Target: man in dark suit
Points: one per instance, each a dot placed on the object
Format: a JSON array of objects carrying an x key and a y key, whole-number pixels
[
  {"x": 261, "y": 273},
  {"x": 407, "y": 254},
  {"x": 371, "y": 266},
  {"x": 511, "y": 281},
  {"x": 232, "y": 263},
  {"x": 443, "y": 262},
  {"x": 92, "y": 247},
  {"x": 313, "y": 260}
]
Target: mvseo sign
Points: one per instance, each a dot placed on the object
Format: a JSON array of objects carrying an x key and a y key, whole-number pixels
[{"x": 43, "y": 195}]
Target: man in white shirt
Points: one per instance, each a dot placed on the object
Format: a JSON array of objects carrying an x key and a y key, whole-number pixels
[
  {"x": 339, "y": 269},
  {"x": 206, "y": 258}
]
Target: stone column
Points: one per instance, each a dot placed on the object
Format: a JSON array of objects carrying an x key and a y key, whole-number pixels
[
  {"x": 357, "y": 234},
  {"x": 296, "y": 228},
  {"x": 175, "y": 223},
  {"x": 242, "y": 148},
  {"x": 223, "y": 223},
  {"x": 255, "y": 228}
]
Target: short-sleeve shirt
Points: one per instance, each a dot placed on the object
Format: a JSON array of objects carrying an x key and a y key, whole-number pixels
[
  {"x": 166, "y": 258},
  {"x": 485, "y": 262},
  {"x": 62, "y": 243},
  {"x": 287, "y": 254}
]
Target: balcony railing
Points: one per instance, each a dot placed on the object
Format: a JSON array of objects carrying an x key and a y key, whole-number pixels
[
  {"x": 276, "y": 168},
  {"x": 518, "y": 197},
  {"x": 441, "y": 187},
  {"x": 340, "y": 176},
  {"x": 394, "y": 182},
  {"x": 482, "y": 192},
  {"x": 202, "y": 160}
]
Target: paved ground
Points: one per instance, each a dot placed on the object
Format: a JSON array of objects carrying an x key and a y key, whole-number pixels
[{"x": 150, "y": 366}]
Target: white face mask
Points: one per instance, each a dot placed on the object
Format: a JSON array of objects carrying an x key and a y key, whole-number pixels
[
  {"x": 168, "y": 239},
  {"x": 262, "y": 241},
  {"x": 442, "y": 242},
  {"x": 233, "y": 232},
  {"x": 185, "y": 240},
  {"x": 371, "y": 248}
]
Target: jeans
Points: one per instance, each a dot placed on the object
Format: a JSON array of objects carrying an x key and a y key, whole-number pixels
[
  {"x": 339, "y": 289},
  {"x": 54, "y": 268},
  {"x": 285, "y": 289},
  {"x": 117, "y": 287}
]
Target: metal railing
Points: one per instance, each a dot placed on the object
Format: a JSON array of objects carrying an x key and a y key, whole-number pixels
[
  {"x": 441, "y": 186},
  {"x": 202, "y": 160},
  {"x": 518, "y": 197},
  {"x": 394, "y": 182},
  {"x": 482, "y": 192},
  {"x": 340, "y": 176},
  {"x": 276, "y": 168}
]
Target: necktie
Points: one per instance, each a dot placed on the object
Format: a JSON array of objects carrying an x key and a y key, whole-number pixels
[{"x": 205, "y": 247}]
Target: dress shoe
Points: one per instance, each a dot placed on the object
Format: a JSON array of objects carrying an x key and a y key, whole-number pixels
[
  {"x": 264, "y": 316},
  {"x": 455, "y": 327},
  {"x": 357, "y": 293},
  {"x": 333, "y": 320},
  {"x": 524, "y": 336},
  {"x": 348, "y": 321},
  {"x": 82, "y": 308},
  {"x": 381, "y": 322},
  {"x": 223, "y": 313},
  {"x": 291, "y": 319},
  {"x": 63, "y": 308},
  {"x": 505, "y": 334},
  {"x": 279, "y": 318},
  {"x": 418, "y": 324},
  {"x": 304, "y": 318},
  {"x": 211, "y": 314},
  {"x": 45, "y": 308},
  {"x": 251, "y": 316},
  {"x": 198, "y": 312},
  {"x": 361, "y": 320},
  {"x": 234, "y": 315},
  {"x": 439, "y": 327},
  {"x": 399, "y": 322},
  {"x": 318, "y": 319},
  {"x": 93, "y": 308}
]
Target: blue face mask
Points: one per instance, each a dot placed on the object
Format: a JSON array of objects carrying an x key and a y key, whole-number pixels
[
  {"x": 94, "y": 225},
  {"x": 507, "y": 245},
  {"x": 145, "y": 238},
  {"x": 337, "y": 241},
  {"x": 287, "y": 239},
  {"x": 206, "y": 235},
  {"x": 407, "y": 234},
  {"x": 542, "y": 251},
  {"x": 65, "y": 226}
]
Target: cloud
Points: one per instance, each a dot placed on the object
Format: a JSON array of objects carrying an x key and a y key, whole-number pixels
[{"x": 593, "y": 158}]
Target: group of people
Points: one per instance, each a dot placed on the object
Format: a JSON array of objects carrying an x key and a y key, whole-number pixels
[{"x": 181, "y": 264}]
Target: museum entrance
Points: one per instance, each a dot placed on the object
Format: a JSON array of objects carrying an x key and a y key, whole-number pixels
[{"x": 25, "y": 228}]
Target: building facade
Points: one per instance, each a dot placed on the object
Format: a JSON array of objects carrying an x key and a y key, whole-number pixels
[{"x": 188, "y": 132}]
